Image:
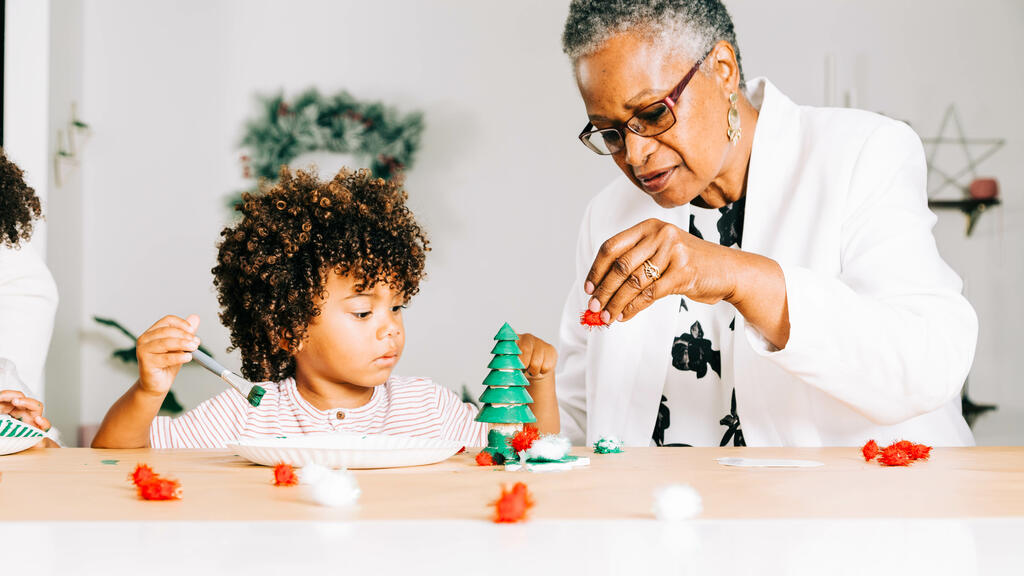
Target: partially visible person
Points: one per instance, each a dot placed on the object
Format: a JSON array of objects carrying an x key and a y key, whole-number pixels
[{"x": 28, "y": 294}]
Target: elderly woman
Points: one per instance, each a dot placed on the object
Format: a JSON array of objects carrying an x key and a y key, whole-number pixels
[{"x": 768, "y": 270}]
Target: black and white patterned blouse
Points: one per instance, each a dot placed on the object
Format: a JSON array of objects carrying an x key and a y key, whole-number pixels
[{"x": 698, "y": 403}]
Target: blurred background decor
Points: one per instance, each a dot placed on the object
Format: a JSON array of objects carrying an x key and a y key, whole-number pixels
[
  {"x": 377, "y": 136},
  {"x": 951, "y": 171}
]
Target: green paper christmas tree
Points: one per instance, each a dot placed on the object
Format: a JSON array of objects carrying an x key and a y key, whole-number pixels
[{"x": 506, "y": 401}]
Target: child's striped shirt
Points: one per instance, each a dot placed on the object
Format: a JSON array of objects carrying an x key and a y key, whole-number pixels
[{"x": 400, "y": 407}]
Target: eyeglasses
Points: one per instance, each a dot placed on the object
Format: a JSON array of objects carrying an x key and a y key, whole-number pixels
[{"x": 650, "y": 121}]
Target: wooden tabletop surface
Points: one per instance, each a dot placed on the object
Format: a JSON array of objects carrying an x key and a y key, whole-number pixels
[{"x": 85, "y": 484}]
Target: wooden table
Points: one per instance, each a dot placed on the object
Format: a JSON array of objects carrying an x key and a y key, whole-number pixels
[{"x": 977, "y": 492}]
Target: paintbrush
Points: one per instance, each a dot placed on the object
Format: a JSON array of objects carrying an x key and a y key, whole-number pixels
[{"x": 248, "y": 390}]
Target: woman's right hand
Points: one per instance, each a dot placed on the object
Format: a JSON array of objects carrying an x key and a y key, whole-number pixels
[
  {"x": 163, "y": 349},
  {"x": 651, "y": 260}
]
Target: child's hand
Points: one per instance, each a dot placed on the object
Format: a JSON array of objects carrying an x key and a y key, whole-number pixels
[
  {"x": 28, "y": 410},
  {"x": 538, "y": 356},
  {"x": 540, "y": 359},
  {"x": 163, "y": 349}
]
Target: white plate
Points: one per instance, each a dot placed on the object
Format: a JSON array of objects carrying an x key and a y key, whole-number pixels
[
  {"x": 16, "y": 436},
  {"x": 345, "y": 450}
]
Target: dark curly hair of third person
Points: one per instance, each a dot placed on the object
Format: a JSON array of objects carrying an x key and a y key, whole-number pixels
[
  {"x": 273, "y": 265},
  {"x": 19, "y": 205}
]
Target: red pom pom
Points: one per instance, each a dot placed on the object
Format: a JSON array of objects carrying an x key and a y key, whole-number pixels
[
  {"x": 152, "y": 486},
  {"x": 920, "y": 452},
  {"x": 513, "y": 504},
  {"x": 523, "y": 439},
  {"x": 141, "y": 474},
  {"x": 870, "y": 450},
  {"x": 902, "y": 453},
  {"x": 904, "y": 446},
  {"x": 484, "y": 459},
  {"x": 157, "y": 488},
  {"x": 893, "y": 456},
  {"x": 591, "y": 319},
  {"x": 913, "y": 451},
  {"x": 284, "y": 475}
]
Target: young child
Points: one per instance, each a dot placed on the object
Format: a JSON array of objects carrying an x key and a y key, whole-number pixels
[{"x": 312, "y": 283}]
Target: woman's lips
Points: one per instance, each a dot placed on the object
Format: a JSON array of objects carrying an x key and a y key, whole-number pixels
[{"x": 654, "y": 182}]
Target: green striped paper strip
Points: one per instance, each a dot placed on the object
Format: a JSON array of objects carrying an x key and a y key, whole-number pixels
[{"x": 11, "y": 428}]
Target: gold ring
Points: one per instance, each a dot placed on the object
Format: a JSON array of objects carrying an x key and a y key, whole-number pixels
[{"x": 651, "y": 271}]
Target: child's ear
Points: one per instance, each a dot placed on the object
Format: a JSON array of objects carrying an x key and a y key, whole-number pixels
[{"x": 285, "y": 344}]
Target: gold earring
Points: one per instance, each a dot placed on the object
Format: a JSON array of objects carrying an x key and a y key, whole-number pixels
[{"x": 734, "y": 119}]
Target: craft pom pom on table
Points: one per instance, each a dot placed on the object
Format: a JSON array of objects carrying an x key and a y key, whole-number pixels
[{"x": 74, "y": 484}]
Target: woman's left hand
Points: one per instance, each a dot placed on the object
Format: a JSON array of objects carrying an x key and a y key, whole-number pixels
[{"x": 651, "y": 260}]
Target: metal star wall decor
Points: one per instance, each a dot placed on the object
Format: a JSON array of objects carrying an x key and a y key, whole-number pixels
[
  {"x": 940, "y": 179},
  {"x": 975, "y": 194}
]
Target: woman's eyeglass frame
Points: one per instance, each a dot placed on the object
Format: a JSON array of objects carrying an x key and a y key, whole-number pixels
[{"x": 635, "y": 124}]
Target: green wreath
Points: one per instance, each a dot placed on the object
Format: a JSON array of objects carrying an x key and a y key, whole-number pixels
[{"x": 378, "y": 135}]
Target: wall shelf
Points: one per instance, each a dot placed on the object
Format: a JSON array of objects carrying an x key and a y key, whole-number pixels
[{"x": 972, "y": 207}]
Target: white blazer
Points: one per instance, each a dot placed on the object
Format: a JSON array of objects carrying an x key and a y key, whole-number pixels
[{"x": 881, "y": 339}]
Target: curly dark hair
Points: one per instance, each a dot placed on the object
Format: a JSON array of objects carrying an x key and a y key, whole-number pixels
[
  {"x": 19, "y": 205},
  {"x": 273, "y": 265}
]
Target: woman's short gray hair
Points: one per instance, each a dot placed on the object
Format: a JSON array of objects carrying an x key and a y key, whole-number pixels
[{"x": 693, "y": 26}]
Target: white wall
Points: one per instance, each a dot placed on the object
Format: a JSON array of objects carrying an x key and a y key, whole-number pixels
[
  {"x": 67, "y": 248},
  {"x": 500, "y": 181}
]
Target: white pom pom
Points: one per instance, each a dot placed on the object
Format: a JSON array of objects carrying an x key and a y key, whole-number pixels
[
  {"x": 335, "y": 488},
  {"x": 312, "y": 473},
  {"x": 329, "y": 487},
  {"x": 677, "y": 502},
  {"x": 549, "y": 447}
]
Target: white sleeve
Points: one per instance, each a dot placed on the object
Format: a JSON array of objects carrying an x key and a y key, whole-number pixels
[
  {"x": 28, "y": 304},
  {"x": 570, "y": 375},
  {"x": 891, "y": 336}
]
